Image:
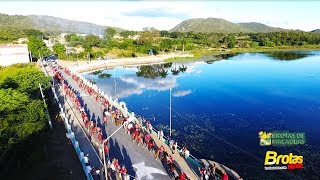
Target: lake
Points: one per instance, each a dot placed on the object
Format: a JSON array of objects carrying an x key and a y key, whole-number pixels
[{"x": 220, "y": 103}]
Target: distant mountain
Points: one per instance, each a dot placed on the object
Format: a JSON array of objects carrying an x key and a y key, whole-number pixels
[
  {"x": 218, "y": 25},
  {"x": 316, "y": 31},
  {"x": 259, "y": 27},
  {"x": 49, "y": 23},
  {"x": 208, "y": 25}
]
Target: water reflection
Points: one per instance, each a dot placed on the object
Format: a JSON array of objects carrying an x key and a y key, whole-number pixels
[
  {"x": 287, "y": 55},
  {"x": 130, "y": 84},
  {"x": 209, "y": 59},
  {"x": 232, "y": 99},
  {"x": 159, "y": 70}
]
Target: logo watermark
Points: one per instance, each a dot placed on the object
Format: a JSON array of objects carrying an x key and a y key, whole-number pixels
[
  {"x": 275, "y": 161},
  {"x": 281, "y": 138}
]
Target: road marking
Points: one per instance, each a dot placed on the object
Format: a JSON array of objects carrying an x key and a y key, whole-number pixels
[{"x": 143, "y": 170}]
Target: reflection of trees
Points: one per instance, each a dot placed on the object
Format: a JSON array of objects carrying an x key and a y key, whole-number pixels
[
  {"x": 96, "y": 72},
  {"x": 152, "y": 71},
  {"x": 213, "y": 58},
  {"x": 175, "y": 71},
  {"x": 167, "y": 65},
  {"x": 163, "y": 73},
  {"x": 286, "y": 56},
  {"x": 183, "y": 68},
  {"x": 104, "y": 75}
]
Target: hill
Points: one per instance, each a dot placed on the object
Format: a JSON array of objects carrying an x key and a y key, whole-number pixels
[
  {"x": 217, "y": 25},
  {"x": 208, "y": 25},
  {"x": 51, "y": 24},
  {"x": 316, "y": 31},
  {"x": 259, "y": 27}
]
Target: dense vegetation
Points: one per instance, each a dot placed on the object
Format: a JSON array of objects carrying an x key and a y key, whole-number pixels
[
  {"x": 22, "y": 111},
  {"x": 131, "y": 43}
]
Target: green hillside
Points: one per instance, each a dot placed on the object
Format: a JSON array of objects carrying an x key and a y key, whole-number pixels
[
  {"x": 216, "y": 25},
  {"x": 208, "y": 25},
  {"x": 51, "y": 24},
  {"x": 259, "y": 28}
]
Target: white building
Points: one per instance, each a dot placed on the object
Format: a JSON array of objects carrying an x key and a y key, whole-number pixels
[{"x": 13, "y": 53}]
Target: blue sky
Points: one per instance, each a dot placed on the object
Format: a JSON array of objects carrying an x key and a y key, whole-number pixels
[{"x": 164, "y": 15}]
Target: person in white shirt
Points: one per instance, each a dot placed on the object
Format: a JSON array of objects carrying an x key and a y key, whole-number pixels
[
  {"x": 161, "y": 135},
  {"x": 86, "y": 160},
  {"x": 186, "y": 153}
]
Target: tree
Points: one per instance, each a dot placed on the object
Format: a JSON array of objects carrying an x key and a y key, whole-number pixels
[
  {"x": 89, "y": 42},
  {"x": 60, "y": 50},
  {"x": 33, "y": 32},
  {"x": 166, "y": 45},
  {"x": 74, "y": 40},
  {"x": 37, "y": 47},
  {"x": 148, "y": 37},
  {"x": 109, "y": 32},
  {"x": 231, "y": 40},
  {"x": 164, "y": 33}
]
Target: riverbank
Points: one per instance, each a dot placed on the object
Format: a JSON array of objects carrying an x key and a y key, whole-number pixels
[
  {"x": 84, "y": 66},
  {"x": 219, "y": 51}
]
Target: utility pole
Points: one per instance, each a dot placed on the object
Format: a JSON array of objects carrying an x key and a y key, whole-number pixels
[{"x": 170, "y": 112}]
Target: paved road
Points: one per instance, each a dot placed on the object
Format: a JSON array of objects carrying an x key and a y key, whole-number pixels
[{"x": 138, "y": 160}]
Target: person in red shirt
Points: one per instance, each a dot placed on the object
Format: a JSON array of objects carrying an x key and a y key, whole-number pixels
[
  {"x": 106, "y": 149},
  {"x": 100, "y": 136},
  {"x": 170, "y": 160},
  {"x": 225, "y": 176},
  {"x": 161, "y": 148},
  {"x": 93, "y": 130},
  {"x": 150, "y": 145},
  {"x": 182, "y": 176},
  {"x": 123, "y": 172}
]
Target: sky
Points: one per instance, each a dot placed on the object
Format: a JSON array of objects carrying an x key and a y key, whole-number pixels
[{"x": 165, "y": 15}]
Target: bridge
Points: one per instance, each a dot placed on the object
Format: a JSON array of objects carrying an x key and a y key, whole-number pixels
[{"x": 139, "y": 162}]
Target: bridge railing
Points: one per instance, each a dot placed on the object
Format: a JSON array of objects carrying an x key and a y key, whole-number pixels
[{"x": 71, "y": 136}]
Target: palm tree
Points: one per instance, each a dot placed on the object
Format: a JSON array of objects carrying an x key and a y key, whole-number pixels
[
  {"x": 163, "y": 73},
  {"x": 182, "y": 68},
  {"x": 175, "y": 71}
]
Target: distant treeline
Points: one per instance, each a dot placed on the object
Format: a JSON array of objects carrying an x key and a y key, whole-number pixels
[
  {"x": 131, "y": 43},
  {"x": 137, "y": 43}
]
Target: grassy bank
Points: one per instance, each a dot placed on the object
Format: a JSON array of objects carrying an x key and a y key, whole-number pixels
[{"x": 199, "y": 53}]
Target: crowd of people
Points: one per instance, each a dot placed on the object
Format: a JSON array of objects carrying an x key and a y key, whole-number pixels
[{"x": 140, "y": 132}]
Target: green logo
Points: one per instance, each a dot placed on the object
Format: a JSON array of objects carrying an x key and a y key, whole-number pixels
[{"x": 281, "y": 138}]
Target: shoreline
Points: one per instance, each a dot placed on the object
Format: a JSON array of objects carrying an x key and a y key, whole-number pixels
[
  {"x": 84, "y": 66},
  {"x": 199, "y": 54}
]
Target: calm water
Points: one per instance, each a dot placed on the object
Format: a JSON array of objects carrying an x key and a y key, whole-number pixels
[{"x": 220, "y": 106}]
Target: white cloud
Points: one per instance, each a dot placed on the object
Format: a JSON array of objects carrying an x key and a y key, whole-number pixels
[
  {"x": 181, "y": 93},
  {"x": 130, "y": 84},
  {"x": 165, "y": 15}
]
